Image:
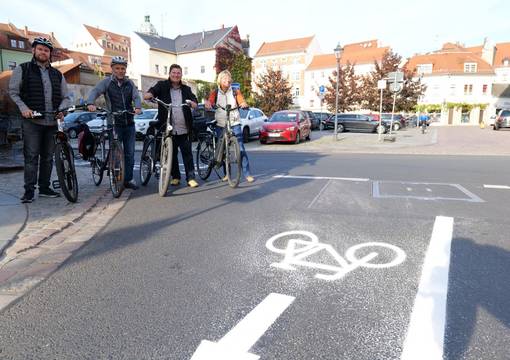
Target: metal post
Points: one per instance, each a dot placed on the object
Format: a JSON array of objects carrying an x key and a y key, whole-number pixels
[
  {"x": 392, "y": 111},
  {"x": 320, "y": 116},
  {"x": 380, "y": 116}
]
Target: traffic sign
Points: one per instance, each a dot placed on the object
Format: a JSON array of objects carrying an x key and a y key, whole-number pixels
[
  {"x": 395, "y": 87},
  {"x": 322, "y": 89},
  {"x": 381, "y": 84},
  {"x": 396, "y": 76},
  {"x": 236, "y": 86}
]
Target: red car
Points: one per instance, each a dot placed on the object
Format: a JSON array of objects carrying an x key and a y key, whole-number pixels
[{"x": 286, "y": 126}]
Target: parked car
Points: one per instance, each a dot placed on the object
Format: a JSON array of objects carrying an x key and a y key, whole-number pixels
[
  {"x": 286, "y": 126},
  {"x": 316, "y": 122},
  {"x": 73, "y": 122},
  {"x": 200, "y": 117},
  {"x": 503, "y": 119},
  {"x": 355, "y": 122},
  {"x": 252, "y": 120},
  {"x": 142, "y": 121},
  {"x": 322, "y": 116},
  {"x": 398, "y": 120},
  {"x": 96, "y": 124}
]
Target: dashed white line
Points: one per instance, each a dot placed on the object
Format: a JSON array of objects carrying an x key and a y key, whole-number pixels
[
  {"x": 318, "y": 178},
  {"x": 502, "y": 187},
  {"x": 425, "y": 335}
]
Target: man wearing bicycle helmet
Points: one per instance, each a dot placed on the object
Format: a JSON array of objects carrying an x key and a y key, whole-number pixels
[
  {"x": 37, "y": 86},
  {"x": 121, "y": 94},
  {"x": 175, "y": 92}
]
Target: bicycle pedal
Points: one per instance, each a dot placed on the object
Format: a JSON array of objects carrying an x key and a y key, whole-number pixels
[{"x": 56, "y": 184}]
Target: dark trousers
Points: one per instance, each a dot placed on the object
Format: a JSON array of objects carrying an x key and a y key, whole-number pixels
[
  {"x": 38, "y": 150},
  {"x": 183, "y": 143},
  {"x": 126, "y": 135}
]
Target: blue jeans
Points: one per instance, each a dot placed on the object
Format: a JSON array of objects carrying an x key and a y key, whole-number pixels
[
  {"x": 126, "y": 135},
  {"x": 244, "y": 156}
]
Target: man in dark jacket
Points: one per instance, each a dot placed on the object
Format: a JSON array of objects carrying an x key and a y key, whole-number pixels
[
  {"x": 175, "y": 92},
  {"x": 120, "y": 94},
  {"x": 37, "y": 86}
]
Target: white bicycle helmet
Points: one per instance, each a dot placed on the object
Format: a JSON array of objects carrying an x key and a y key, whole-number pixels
[
  {"x": 118, "y": 60},
  {"x": 42, "y": 41}
]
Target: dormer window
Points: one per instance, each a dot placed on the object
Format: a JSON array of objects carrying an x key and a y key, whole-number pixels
[
  {"x": 424, "y": 69},
  {"x": 506, "y": 62},
  {"x": 470, "y": 67}
]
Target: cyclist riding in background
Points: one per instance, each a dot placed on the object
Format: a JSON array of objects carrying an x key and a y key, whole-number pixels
[
  {"x": 120, "y": 94},
  {"x": 36, "y": 86},
  {"x": 175, "y": 92},
  {"x": 222, "y": 96}
]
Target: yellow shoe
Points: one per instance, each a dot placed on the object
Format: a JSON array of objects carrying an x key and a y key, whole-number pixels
[
  {"x": 175, "y": 182},
  {"x": 192, "y": 183},
  {"x": 250, "y": 179},
  {"x": 225, "y": 178}
]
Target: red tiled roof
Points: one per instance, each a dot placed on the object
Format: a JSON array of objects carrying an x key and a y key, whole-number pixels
[
  {"x": 449, "y": 62},
  {"x": 351, "y": 54},
  {"x": 502, "y": 53},
  {"x": 64, "y": 68},
  {"x": 100, "y": 34},
  {"x": 29, "y": 34},
  {"x": 85, "y": 59},
  {"x": 284, "y": 46}
]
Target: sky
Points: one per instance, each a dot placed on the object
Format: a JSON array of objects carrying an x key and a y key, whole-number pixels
[{"x": 408, "y": 26}]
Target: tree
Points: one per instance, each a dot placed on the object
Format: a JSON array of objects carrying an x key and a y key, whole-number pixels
[
  {"x": 239, "y": 66},
  {"x": 204, "y": 88},
  {"x": 275, "y": 92},
  {"x": 405, "y": 101},
  {"x": 348, "y": 90}
]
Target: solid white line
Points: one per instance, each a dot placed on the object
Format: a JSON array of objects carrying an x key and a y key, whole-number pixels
[
  {"x": 504, "y": 187},
  {"x": 425, "y": 335},
  {"x": 319, "y": 194},
  {"x": 319, "y": 178},
  {"x": 246, "y": 333}
]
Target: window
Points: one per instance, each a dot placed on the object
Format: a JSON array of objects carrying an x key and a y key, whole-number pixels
[
  {"x": 452, "y": 89},
  {"x": 11, "y": 65},
  {"x": 484, "y": 89},
  {"x": 21, "y": 44},
  {"x": 13, "y": 43},
  {"x": 468, "y": 89},
  {"x": 506, "y": 62},
  {"x": 322, "y": 74},
  {"x": 202, "y": 69},
  {"x": 296, "y": 91},
  {"x": 296, "y": 60},
  {"x": 312, "y": 74},
  {"x": 296, "y": 75},
  {"x": 157, "y": 68},
  {"x": 470, "y": 67},
  {"x": 185, "y": 70},
  {"x": 424, "y": 69},
  {"x": 166, "y": 70},
  {"x": 311, "y": 103}
]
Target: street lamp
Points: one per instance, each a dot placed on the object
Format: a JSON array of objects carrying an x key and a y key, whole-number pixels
[{"x": 338, "y": 54}]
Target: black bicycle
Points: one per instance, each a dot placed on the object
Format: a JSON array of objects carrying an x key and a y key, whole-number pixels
[
  {"x": 157, "y": 151},
  {"x": 110, "y": 160},
  {"x": 206, "y": 150},
  {"x": 64, "y": 157},
  {"x": 231, "y": 150}
]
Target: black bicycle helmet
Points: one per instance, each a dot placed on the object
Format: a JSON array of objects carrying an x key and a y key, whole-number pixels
[
  {"x": 118, "y": 60},
  {"x": 42, "y": 41}
]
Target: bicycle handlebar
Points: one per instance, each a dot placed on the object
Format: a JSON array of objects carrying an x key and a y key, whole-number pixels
[
  {"x": 168, "y": 106},
  {"x": 72, "y": 108}
]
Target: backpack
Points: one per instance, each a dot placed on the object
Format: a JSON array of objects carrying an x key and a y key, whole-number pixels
[{"x": 86, "y": 143}]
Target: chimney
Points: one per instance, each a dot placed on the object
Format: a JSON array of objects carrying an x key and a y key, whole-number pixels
[
  {"x": 26, "y": 31},
  {"x": 52, "y": 35},
  {"x": 147, "y": 18},
  {"x": 223, "y": 26}
]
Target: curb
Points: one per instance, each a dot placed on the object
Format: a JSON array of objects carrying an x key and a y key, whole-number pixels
[{"x": 23, "y": 270}]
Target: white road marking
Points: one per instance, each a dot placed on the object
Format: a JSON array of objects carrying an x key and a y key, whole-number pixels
[
  {"x": 318, "y": 178},
  {"x": 503, "y": 187},
  {"x": 319, "y": 194},
  {"x": 298, "y": 250},
  {"x": 425, "y": 334},
  {"x": 238, "y": 341}
]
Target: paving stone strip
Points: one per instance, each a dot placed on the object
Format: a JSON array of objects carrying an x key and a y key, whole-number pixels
[{"x": 35, "y": 255}]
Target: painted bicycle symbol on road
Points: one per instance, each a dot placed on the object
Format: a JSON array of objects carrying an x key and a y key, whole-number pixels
[{"x": 301, "y": 245}]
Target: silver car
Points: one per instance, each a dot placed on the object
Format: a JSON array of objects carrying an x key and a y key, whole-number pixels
[
  {"x": 502, "y": 120},
  {"x": 252, "y": 120},
  {"x": 142, "y": 121}
]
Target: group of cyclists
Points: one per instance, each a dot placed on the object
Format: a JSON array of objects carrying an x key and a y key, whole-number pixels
[{"x": 38, "y": 88}]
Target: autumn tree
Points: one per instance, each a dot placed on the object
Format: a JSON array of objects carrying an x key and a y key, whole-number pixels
[
  {"x": 275, "y": 92},
  {"x": 348, "y": 90},
  {"x": 405, "y": 100}
]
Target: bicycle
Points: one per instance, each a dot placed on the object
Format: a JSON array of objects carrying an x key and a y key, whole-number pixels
[
  {"x": 163, "y": 140},
  {"x": 64, "y": 157},
  {"x": 231, "y": 150},
  {"x": 111, "y": 161},
  {"x": 206, "y": 148}
]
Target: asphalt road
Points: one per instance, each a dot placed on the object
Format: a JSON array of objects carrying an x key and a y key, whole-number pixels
[{"x": 168, "y": 273}]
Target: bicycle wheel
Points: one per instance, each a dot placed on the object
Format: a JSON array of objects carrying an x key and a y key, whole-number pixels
[
  {"x": 166, "y": 165},
  {"x": 116, "y": 168},
  {"x": 205, "y": 158},
  {"x": 66, "y": 173},
  {"x": 97, "y": 163},
  {"x": 233, "y": 161},
  {"x": 146, "y": 160}
]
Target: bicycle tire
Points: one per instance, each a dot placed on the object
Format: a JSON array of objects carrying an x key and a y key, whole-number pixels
[
  {"x": 66, "y": 172},
  {"x": 146, "y": 160},
  {"x": 166, "y": 165},
  {"x": 98, "y": 162},
  {"x": 205, "y": 158},
  {"x": 233, "y": 161},
  {"x": 116, "y": 167}
]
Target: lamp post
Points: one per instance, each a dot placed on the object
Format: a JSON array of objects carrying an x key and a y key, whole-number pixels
[{"x": 338, "y": 54}]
